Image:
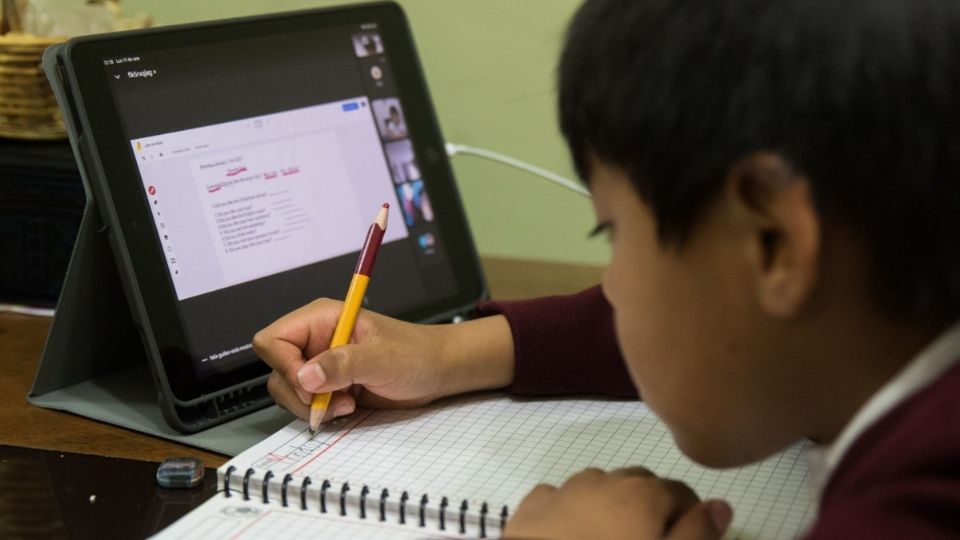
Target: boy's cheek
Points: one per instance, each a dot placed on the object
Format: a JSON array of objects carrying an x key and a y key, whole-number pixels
[
  {"x": 605, "y": 285},
  {"x": 621, "y": 279},
  {"x": 629, "y": 328}
]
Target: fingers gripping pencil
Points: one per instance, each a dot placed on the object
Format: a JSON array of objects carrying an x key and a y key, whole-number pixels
[{"x": 352, "y": 303}]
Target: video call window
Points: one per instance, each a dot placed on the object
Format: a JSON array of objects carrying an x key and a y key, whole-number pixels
[
  {"x": 390, "y": 120},
  {"x": 414, "y": 203},
  {"x": 367, "y": 44},
  {"x": 403, "y": 163}
]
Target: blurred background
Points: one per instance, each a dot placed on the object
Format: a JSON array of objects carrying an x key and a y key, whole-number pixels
[{"x": 490, "y": 67}]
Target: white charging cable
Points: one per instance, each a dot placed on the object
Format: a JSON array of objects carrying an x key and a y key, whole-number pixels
[{"x": 454, "y": 149}]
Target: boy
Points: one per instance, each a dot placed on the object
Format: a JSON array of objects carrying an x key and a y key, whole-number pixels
[{"x": 780, "y": 183}]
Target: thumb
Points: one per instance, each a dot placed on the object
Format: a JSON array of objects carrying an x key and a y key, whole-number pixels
[
  {"x": 339, "y": 368},
  {"x": 708, "y": 519}
]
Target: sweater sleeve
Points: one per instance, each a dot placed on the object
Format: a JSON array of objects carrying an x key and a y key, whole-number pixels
[
  {"x": 564, "y": 345},
  {"x": 922, "y": 507}
]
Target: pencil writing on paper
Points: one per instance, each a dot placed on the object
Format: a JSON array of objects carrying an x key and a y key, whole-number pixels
[{"x": 351, "y": 304}]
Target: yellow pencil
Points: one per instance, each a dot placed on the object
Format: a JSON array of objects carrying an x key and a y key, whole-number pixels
[{"x": 352, "y": 304}]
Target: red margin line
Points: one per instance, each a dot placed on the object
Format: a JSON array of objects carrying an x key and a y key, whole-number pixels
[{"x": 345, "y": 433}]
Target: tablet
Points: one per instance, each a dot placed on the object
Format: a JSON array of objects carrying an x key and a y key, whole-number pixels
[{"x": 237, "y": 166}]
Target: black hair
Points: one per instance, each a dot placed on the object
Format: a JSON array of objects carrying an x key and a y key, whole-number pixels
[{"x": 862, "y": 97}]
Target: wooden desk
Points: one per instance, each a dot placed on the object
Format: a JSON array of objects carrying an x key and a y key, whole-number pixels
[{"x": 22, "y": 338}]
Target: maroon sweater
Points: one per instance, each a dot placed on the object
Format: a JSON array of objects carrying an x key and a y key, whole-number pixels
[
  {"x": 899, "y": 479},
  {"x": 564, "y": 345}
]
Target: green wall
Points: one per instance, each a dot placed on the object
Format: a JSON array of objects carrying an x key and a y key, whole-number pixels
[{"x": 490, "y": 66}]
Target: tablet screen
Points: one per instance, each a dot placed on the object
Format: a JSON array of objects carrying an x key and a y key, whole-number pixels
[
  {"x": 262, "y": 157},
  {"x": 267, "y": 194}
]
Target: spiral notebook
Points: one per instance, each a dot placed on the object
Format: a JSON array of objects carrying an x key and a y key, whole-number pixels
[{"x": 460, "y": 466}]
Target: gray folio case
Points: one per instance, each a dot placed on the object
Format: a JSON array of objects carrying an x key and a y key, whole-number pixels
[
  {"x": 93, "y": 363},
  {"x": 116, "y": 351}
]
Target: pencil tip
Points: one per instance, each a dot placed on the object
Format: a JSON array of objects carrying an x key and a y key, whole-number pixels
[
  {"x": 382, "y": 216},
  {"x": 316, "y": 415}
]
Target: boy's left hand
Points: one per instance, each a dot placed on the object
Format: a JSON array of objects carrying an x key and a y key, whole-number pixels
[{"x": 625, "y": 503}]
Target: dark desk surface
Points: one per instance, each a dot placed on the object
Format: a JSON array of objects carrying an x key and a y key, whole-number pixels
[
  {"x": 54, "y": 479},
  {"x": 50, "y": 494},
  {"x": 22, "y": 338}
]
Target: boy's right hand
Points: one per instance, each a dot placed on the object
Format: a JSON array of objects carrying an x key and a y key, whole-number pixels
[
  {"x": 387, "y": 364},
  {"x": 624, "y": 503}
]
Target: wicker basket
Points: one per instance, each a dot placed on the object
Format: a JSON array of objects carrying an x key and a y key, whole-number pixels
[{"x": 28, "y": 109}]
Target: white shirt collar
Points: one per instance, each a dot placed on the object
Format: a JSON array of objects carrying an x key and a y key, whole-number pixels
[{"x": 932, "y": 361}]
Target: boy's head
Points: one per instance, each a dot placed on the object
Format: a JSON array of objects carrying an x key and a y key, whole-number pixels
[
  {"x": 799, "y": 151},
  {"x": 861, "y": 97}
]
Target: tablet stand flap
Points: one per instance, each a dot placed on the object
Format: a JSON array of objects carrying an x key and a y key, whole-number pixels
[
  {"x": 93, "y": 363},
  {"x": 127, "y": 398},
  {"x": 92, "y": 332}
]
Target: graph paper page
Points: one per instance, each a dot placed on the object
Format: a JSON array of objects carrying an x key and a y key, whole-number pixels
[
  {"x": 493, "y": 448},
  {"x": 235, "y": 519}
]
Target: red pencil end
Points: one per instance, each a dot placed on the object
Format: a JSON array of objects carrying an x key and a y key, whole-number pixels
[{"x": 368, "y": 254}]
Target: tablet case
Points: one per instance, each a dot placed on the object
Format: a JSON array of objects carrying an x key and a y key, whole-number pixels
[{"x": 93, "y": 363}]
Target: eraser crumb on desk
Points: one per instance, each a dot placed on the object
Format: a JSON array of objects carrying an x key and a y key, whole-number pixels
[{"x": 180, "y": 472}]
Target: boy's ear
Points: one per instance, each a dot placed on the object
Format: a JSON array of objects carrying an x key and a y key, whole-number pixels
[{"x": 774, "y": 207}]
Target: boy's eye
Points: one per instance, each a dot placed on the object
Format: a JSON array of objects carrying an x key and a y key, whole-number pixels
[{"x": 602, "y": 227}]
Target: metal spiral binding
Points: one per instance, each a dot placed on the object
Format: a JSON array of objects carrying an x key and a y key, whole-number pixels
[
  {"x": 364, "y": 494},
  {"x": 343, "y": 498},
  {"x": 264, "y": 485},
  {"x": 246, "y": 483},
  {"x": 323, "y": 495},
  {"x": 383, "y": 504},
  {"x": 363, "y": 501},
  {"x": 283, "y": 489},
  {"x": 403, "y": 507},
  {"x": 443, "y": 513},
  {"x": 303, "y": 492},
  {"x": 226, "y": 480},
  {"x": 483, "y": 520},
  {"x": 423, "y": 510}
]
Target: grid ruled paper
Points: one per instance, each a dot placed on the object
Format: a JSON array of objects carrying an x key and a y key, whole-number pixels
[
  {"x": 495, "y": 448},
  {"x": 233, "y": 519}
]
